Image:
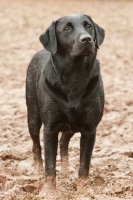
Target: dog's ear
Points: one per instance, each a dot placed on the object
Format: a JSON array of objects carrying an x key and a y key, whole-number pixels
[
  {"x": 48, "y": 39},
  {"x": 99, "y": 33}
]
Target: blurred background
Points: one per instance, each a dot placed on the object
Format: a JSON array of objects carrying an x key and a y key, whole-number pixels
[{"x": 111, "y": 173}]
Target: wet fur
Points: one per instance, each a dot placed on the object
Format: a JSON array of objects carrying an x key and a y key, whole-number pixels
[{"x": 64, "y": 91}]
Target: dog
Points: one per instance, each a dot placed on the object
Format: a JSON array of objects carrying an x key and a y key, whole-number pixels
[{"x": 64, "y": 91}]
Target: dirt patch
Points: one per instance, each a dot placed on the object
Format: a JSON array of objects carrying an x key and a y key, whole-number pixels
[{"x": 111, "y": 173}]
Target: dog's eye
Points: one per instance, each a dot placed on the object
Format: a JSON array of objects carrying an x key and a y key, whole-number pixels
[
  {"x": 67, "y": 28},
  {"x": 88, "y": 26}
]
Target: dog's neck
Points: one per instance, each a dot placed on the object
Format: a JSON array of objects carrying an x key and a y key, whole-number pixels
[
  {"x": 68, "y": 72},
  {"x": 65, "y": 64}
]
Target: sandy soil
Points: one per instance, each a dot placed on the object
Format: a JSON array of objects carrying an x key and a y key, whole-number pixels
[{"x": 111, "y": 173}]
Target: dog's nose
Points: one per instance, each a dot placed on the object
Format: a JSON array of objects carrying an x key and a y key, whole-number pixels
[{"x": 85, "y": 38}]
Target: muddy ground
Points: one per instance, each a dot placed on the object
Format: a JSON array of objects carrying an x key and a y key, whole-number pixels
[{"x": 111, "y": 173}]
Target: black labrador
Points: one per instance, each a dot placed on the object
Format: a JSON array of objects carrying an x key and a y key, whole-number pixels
[{"x": 64, "y": 91}]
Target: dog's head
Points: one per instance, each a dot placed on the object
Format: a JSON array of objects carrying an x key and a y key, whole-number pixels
[{"x": 76, "y": 35}]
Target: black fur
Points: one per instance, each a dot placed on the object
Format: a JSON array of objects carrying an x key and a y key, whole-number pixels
[{"x": 64, "y": 91}]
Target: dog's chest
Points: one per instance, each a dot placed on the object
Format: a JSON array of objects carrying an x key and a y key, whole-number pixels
[
  {"x": 74, "y": 114},
  {"x": 71, "y": 120},
  {"x": 73, "y": 86}
]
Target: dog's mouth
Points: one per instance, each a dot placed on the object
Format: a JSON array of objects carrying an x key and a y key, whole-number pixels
[
  {"x": 86, "y": 52},
  {"x": 83, "y": 52}
]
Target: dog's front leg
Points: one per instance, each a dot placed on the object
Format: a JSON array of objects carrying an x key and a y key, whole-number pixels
[
  {"x": 86, "y": 147},
  {"x": 50, "y": 146}
]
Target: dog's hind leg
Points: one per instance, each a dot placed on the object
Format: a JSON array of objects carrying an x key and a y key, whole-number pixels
[
  {"x": 34, "y": 125},
  {"x": 64, "y": 142}
]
